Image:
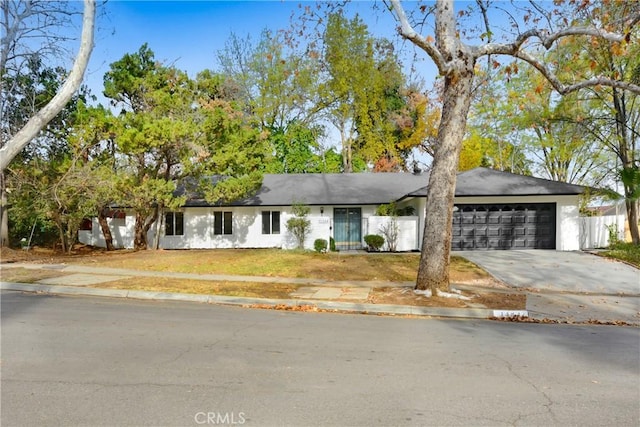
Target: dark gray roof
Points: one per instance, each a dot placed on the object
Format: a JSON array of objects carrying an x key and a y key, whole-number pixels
[
  {"x": 330, "y": 189},
  {"x": 380, "y": 188},
  {"x": 335, "y": 189},
  {"x": 490, "y": 182}
]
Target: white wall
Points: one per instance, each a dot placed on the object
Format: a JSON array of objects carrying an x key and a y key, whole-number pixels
[
  {"x": 247, "y": 226},
  {"x": 122, "y": 233},
  {"x": 408, "y": 231},
  {"x": 247, "y": 229}
]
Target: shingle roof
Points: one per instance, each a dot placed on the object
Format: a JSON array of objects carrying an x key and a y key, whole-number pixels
[
  {"x": 490, "y": 182},
  {"x": 380, "y": 188},
  {"x": 330, "y": 189}
]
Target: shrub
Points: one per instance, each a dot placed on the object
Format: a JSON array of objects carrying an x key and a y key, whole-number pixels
[
  {"x": 299, "y": 225},
  {"x": 407, "y": 211},
  {"x": 614, "y": 238},
  {"x": 390, "y": 230},
  {"x": 392, "y": 210},
  {"x": 386, "y": 210},
  {"x": 320, "y": 245},
  {"x": 374, "y": 241},
  {"x": 332, "y": 244}
]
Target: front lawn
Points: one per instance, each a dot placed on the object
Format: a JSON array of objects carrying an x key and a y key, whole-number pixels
[{"x": 267, "y": 262}]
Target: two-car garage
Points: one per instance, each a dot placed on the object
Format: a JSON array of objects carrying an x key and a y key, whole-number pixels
[{"x": 504, "y": 226}]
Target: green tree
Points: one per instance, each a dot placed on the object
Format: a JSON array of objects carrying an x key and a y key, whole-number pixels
[
  {"x": 43, "y": 166},
  {"x": 525, "y": 116},
  {"x": 613, "y": 113},
  {"x": 365, "y": 95},
  {"x": 483, "y": 151},
  {"x": 32, "y": 33},
  {"x": 174, "y": 129},
  {"x": 278, "y": 87}
]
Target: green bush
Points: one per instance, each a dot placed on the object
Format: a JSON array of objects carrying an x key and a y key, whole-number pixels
[
  {"x": 614, "y": 238},
  {"x": 386, "y": 210},
  {"x": 374, "y": 241},
  {"x": 391, "y": 209},
  {"x": 320, "y": 245},
  {"x": 332, "y": 244}
]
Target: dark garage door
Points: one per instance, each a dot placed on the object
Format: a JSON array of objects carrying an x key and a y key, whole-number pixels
[{"x": 521, "y": 226}]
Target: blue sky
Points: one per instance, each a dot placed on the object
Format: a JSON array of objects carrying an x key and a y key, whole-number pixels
[{"x": 188, "y": 34}]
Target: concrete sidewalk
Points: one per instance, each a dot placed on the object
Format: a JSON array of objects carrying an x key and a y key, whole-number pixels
[{"x": 322, "y": 294}]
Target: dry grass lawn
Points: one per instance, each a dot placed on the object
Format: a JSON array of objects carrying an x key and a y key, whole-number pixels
[
  {"x": 270, "y": 263},
  {"x": 262, "y": 262}
]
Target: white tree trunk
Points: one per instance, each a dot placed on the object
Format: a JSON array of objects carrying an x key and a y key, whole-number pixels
[{"x": 57, "y": 103}]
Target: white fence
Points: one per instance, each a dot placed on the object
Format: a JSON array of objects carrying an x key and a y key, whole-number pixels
[
  {"x": 594, "y": 230},
  {"x": 408, "y": 232}
]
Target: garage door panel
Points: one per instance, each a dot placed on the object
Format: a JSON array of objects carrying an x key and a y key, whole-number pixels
[
  {"x": 493, "y": 231},
  {"x": 493, "y": 219},
  {"x": 481, "y": 231},
  {"x": 520, "y": 226}
]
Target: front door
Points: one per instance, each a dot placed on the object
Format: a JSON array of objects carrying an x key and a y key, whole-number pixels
[{"x": 347, "y": 228}]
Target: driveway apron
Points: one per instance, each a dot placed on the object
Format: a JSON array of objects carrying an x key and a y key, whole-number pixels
[{"x": 559, "y": 271}]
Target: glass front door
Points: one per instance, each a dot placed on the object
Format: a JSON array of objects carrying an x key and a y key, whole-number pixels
[{"x": 347, "y": 228}]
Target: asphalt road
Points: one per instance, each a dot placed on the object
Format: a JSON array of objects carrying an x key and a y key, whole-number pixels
[{"x": 90, "y": 361}]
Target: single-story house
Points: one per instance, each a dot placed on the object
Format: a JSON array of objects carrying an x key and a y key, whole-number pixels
[{"x": 493, "y": 210}]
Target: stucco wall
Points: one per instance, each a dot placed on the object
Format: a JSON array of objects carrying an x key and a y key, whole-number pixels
[
  {"x": 247, "y": 226},
  {"x": 408, "y": 233},
  {"x": 247, "y": 229},
  {"x": 121, "y": 231}
]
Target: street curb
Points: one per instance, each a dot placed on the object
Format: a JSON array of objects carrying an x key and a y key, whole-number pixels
[{"x": 348, "y": 307}]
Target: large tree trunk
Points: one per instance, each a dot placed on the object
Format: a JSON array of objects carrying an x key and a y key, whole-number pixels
[
  {"x": 142, "y": 227},
  {"x": 140, "y": 234},
  {"x": 159, "y": 222},
  {"x": 106, "y": 231},
  {"x": 63, "y": 240},
  {"x": 632, "y": 216},
  {"x": 433, "y": 272}
]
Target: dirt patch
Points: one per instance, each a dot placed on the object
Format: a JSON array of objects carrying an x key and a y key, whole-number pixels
[{"x": 479, "y": 299}]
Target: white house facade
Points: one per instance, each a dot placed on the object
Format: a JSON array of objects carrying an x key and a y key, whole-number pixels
[{"x": 493, "y": 210}]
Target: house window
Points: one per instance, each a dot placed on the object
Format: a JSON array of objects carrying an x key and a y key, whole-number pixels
[
  {"x": 222, "y": 223},
  {"x": 174, "y": 224},
  {"x": 270, "y": 222}
]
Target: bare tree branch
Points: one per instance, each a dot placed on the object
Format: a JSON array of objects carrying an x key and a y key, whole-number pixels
[
  {"x": 409, "y": 33},
  {"x": 547, "y": 39},
  {"x": 71, "y": 84},
  {"x": 564, "y": 88}
]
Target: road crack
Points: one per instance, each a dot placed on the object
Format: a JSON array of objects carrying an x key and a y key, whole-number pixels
[{"x": 548, "y": 405}]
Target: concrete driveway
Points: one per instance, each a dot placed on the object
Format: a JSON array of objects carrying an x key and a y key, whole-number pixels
[{"x": 558, "y": 271}]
